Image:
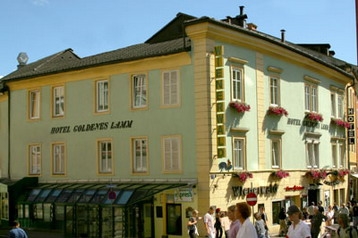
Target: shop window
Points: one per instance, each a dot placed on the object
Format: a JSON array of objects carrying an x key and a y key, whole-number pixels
[
  {"x": 174, "y": 219},
  {"x": 276, "y": 207}
]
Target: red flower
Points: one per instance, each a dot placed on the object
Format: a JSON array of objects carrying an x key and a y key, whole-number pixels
[
  {"x": 243, "y": 176},
  {"x": 341, "y": 123},
  {"x": 239, "y": 106},
  {"x": 280, "y": 174},
  {"x": 313, "y": 116},
  {"x": 317, "y": 174},
  {"x": 276, "y": 110}
]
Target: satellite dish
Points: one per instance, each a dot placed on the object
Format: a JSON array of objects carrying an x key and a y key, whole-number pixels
[{"x": 22, "y": 58}]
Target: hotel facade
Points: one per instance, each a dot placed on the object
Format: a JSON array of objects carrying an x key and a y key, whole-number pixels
[{"x": 126, "y": 143}]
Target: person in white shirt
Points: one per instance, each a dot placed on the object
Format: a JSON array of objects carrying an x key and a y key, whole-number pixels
[
  {"x": 209, "y": 222},
  {"x": 247, "y": 229},
  {"x": 297, "y": 229}
]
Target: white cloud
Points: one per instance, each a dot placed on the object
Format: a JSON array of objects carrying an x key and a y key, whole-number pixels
[{"x": 40, "y": 2}]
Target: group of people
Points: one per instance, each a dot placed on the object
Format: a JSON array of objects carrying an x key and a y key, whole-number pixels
[
  {"x": 308, "y": 223},
  {"x": 234, "y": 223}
]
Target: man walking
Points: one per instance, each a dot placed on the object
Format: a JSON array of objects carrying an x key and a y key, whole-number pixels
[
  {"x": 16, "y": 231},
  {"x": 209, "y": 222}
]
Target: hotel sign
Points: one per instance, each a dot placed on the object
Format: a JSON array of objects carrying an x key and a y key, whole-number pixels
[
  {"x": 351, "y": 130},
  {"x": 220, "y": 101}
]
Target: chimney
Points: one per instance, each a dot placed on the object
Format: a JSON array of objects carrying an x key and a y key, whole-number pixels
[
  {"x": 242, "y": 17},
  {"x": 283, "y": 35}
]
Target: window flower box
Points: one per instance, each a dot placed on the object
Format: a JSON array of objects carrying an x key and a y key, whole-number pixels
[
  {"x": 280, "y": 174},
  {"x": 313, "y": 116},
  {"x": 316, "y": 174},
  {"x": 239, "y": 106},
  {"x": 340, "y": 122},
  {"x": 278, "y": 111},
  {"x": 243, "y": 176}
]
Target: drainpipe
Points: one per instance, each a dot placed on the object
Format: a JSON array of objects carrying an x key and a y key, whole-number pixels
[{"x": 4, "y": 88}]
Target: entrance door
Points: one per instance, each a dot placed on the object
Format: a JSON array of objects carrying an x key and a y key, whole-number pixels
[
  {"x": 147, "y": 219},
  {"x": 312, "y": 196}
]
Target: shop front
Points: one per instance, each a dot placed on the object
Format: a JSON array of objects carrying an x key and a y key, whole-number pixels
[{"x": 93, "y": 210}]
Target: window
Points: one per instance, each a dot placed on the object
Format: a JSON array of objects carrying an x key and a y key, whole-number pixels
[
  {"x": 276, "y": 208},
  {"x": 275, "y": 153},
  {"x": 140, "y": 155},
  {"x": 171, "y": 147},
  {"x": 239, "y": 153},
  {"x": 58, "y": 101},
  {"x": 237, "y": 84},
  {"x": 34, "y": 159},
  {"x": 338, "y": 153},
  {"x": 174, "y": 219},
  {"x": 105, "y": 156},
  {"x": 311, "y": 97},
  {"x": 312, "y": 153},
  {"x": 170, "y": 84},
  {"x": 102, "y": 97},
  {"x": 337, "y": 98},
  {"x": 34, "y": 104},
  {"x": 58, "y": 158},
  {"x": 139, "y": 83},
  {"x": 274, "y": 91}
]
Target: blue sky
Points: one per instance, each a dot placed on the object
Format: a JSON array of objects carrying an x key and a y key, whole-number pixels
[{"x": 44, "y": 27}]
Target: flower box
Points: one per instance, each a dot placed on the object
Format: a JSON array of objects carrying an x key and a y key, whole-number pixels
[
  {"x": 316, "y": 174},
  {"x": 243, "y": 176},
  {"x": 276, "y": 110},
  {"x": 280, "y": 174},
  {"x": 341, "y": 123},
  {"x": 313, "y": 116},
  {"x": 239, "y": 106}
]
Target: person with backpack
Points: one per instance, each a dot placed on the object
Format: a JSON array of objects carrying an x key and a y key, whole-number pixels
[{"x": 345, "y": 230}]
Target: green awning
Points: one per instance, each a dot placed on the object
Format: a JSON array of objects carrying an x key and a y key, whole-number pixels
[{"x": 115, "y": 194}]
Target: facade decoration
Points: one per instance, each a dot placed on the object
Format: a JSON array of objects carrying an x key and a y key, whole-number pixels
[
  {"x": 243, "y": 175},
  {"x": 240, "y": 107},
  {"x": 277, "y": 111},
  {"x": 316, "y": 174},
  {"x": 279, "y": 174},
  {"x": 313, "y": 116},
  {"x": 340, "y": 123}
]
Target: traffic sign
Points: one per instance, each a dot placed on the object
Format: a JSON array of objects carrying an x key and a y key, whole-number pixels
[{"x": 251, "y": 199}]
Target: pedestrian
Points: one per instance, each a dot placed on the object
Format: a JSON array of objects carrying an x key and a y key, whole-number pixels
[
  {"x": 265, "y": 219},
  {"x": 225, "y": 222},
  {"x": 329, "y": 216},
  {"x": 259, "y": 226},
  {"x": 320, "y": 207},
  {"x": 217, "y": 225},
  {"x": 344, "y": 230},
  {"x": 209, "y": 222},
  {"x": 355, "y": 213},
  {"x": 235, "y": 223},
  {"x": 192, "y": 228},
  {"x": 343, "y": 209},
  {"x": 283, "y": 225},
  {"x": 247, "y": 229},
  {"x": 16, "y": 231},
  {"x": 298, "y": 228},
  {"x": 316, "y": 222}
]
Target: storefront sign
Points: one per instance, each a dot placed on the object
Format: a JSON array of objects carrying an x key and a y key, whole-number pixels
[
  {"x": 294, "y": 188},
  {"x": 97, "y": 126},
  {"x": 220, "y": 101},
  {"x": 263, "y": 190},
  {"x": 350, "y": 132},
  {"x": 307, "y": 123},
  {"x": 183, "y": 195}
]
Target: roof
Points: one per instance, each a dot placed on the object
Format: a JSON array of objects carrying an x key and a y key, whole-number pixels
[{"x": 168, "y": 40}]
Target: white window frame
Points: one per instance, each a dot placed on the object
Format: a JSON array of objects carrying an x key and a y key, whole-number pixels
[
  {"x": 237, "y": 84},
  {"x": 337, "y": 103},
  {"x": 311, "y": 97},
  {"x": 140, "y": 155},
  {"x": 105, "y": 157},
  {"x": 139, "y": 90},
  {"x": 338, "y": 153},
  {"x": 274, "y": 91},
  {"x": 58, "y": 159},
  {"x": 276, "y": 153},
  {"x": 102, "y": 96},
  {"x": 58, "y": 101},
  {"x": 239, "y": 153},
  {"x": 312, "y": 153},
  {"x": 171, "y": 88},
  {"x": 171, "y": 150},
  {"x": 35, "y": 159},
  {"x": 34, "y": 104}
]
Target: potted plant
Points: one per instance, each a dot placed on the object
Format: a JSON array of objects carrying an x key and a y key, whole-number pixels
[
  {"x": 314, "y": 116},
  {"x": 340, "y": 122},
  {"x": 280, "y": 174},
  {"x": 243, "y": 176},
  {"x": 316, "y": 174},
  {"x": 277, "y": 110},
  {"x": 239, "y": 106}
]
